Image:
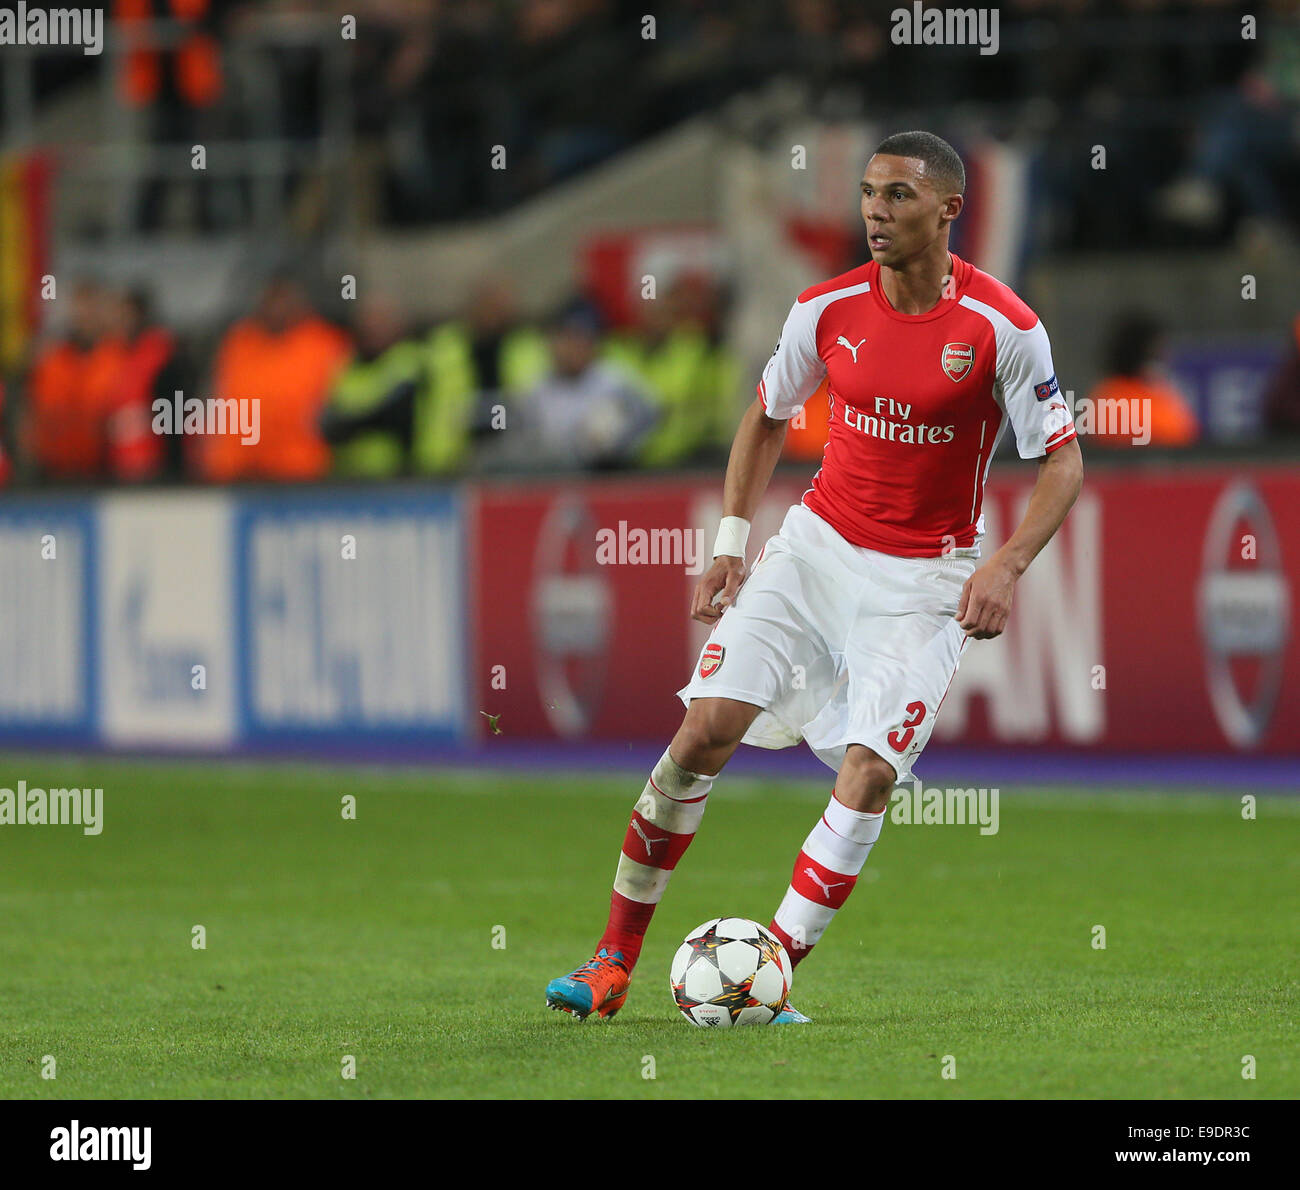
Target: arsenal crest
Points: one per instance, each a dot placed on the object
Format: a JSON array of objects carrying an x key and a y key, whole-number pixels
[
  {"x": 711, "y": 659},
  {"x": 957, "y": 359}
]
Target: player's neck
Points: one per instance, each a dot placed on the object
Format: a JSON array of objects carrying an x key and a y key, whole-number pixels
[{"x": 917, "y": 286}]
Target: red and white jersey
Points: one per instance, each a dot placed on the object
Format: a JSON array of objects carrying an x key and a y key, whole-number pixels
[{"x": 918, "y": 404}]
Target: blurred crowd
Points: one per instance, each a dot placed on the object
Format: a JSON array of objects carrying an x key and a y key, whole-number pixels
[
  {"x": 1201, "y": 124},
  {"x": 287, "y": 394},
  {"x": 1199, "y": 118}
]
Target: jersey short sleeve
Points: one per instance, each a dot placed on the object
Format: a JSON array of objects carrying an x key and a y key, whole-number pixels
[
  {"x": 1039, "y": 412},
  {"x": 795, "y": 368}
]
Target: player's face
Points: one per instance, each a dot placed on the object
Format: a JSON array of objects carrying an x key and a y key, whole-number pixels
[{"x": 903, "y": 211}]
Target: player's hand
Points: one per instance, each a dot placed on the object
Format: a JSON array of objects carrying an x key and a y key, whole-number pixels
[
  {"x": 986, "y": 600},
  {"x": 716, "y": 591}
]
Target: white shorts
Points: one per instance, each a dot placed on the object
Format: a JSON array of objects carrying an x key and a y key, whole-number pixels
[{"x": 838, "y": 644}]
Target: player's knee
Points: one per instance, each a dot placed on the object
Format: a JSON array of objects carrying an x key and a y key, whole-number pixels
[
  {"x": 712, "y": 728},
  {"x": 865, "y": 780}
]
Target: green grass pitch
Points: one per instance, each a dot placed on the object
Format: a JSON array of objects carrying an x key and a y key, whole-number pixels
[{"x": 374, "y": 938}]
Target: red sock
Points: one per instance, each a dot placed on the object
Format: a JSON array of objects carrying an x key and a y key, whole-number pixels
[
  {"x": 825, "y": 871},
  {"x": 663, "y": 824},
  {"x": 628, "y": 922}
]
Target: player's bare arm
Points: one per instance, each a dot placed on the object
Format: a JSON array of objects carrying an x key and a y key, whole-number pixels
[
  {"x": 986, "y": 596},
  {"x": 754, "y": 454}
]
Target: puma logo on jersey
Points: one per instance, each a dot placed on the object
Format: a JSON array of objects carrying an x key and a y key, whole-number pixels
[
  {"x": 817, "y": 880},
  {"x": 853, "y": 347},
  {"x": 646, "y": 839}
]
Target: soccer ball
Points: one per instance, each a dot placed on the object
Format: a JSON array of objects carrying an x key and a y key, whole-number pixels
[{"x": 730, "y": 971}]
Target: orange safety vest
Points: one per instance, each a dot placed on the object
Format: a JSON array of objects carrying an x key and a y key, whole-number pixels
[
  {"x": 63, "y": 427},
  {"x": 134, "y": 450},
  {"x": 196, "y": 59},
  {"x": 289, "y": 375},
  {"x": 1173, "y": 423}
]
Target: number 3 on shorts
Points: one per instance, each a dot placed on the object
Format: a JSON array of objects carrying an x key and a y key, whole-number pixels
[{"x": 898, "y": 740}]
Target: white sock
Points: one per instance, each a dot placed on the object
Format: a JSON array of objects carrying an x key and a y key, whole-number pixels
[{"x": 824, "y": 874}]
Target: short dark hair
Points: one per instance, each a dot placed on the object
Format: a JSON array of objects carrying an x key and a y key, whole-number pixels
[{"x": 942, "y": 164}]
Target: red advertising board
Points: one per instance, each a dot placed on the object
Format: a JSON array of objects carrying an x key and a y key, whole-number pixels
[
  {"x": 1161, "y": 618},
  {"x": 574, "y": 641}
]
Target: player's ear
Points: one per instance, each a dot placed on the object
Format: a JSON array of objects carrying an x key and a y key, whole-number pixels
[{"x": 951, "y": 207}]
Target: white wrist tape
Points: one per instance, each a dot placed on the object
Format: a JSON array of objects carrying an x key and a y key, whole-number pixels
[{"x": 733, "y": 533}]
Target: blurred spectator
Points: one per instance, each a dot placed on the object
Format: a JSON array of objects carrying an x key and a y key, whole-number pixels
[
  {"x": 691, "y": 376},
  {"x": 1137, "y": 391},
  {"x": 1282, "y": 396},
  {"x": 370, "y": 415},
  {"x": 145, "y": 370},
  {"x": 487, "y": 358},
  {"x": 62, "y": 432},
  {"x": 283, "y": 358},
  {"x": 158, "y": 370},
  {"x": 588, "y": 412},
  {"x": 391, "y": 65},
  {"x": 172, "y": 79},
  {"x": 552, "y": 44},
  {"x": 91, "y": 394},
  {"x": 1247, "y": 156}
]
